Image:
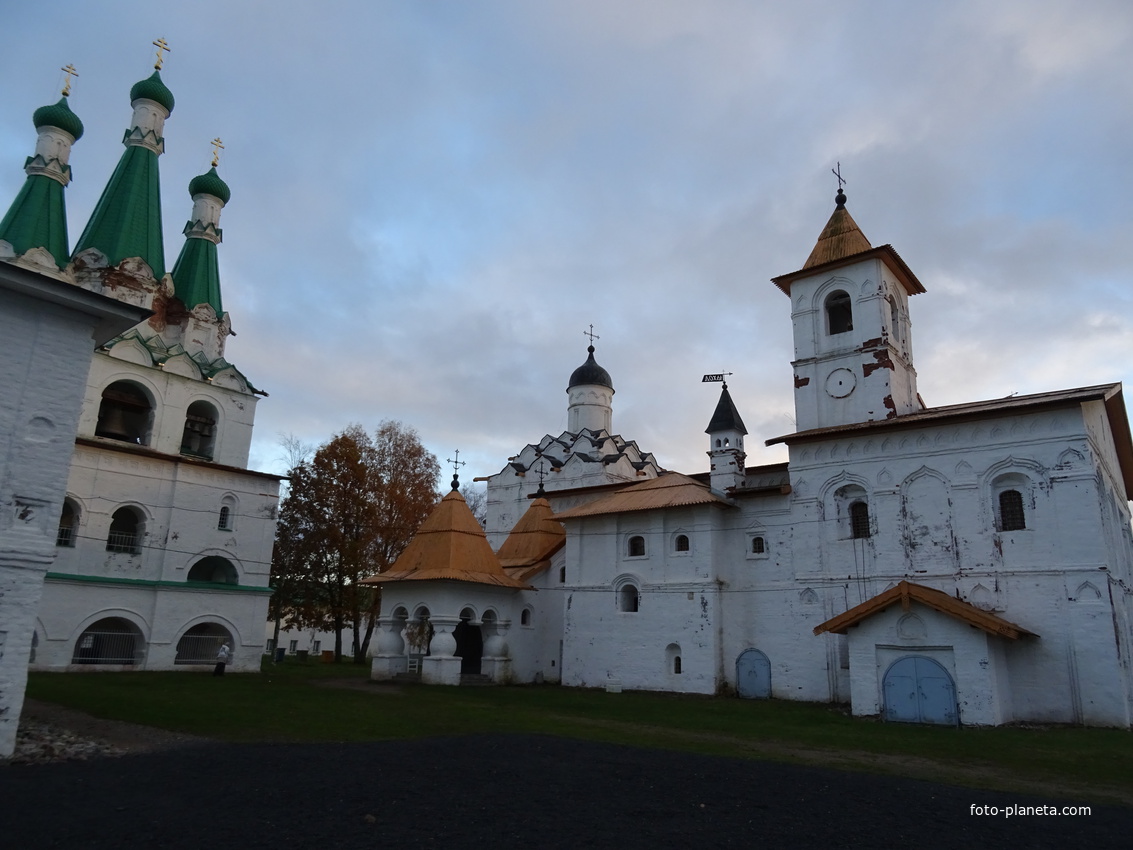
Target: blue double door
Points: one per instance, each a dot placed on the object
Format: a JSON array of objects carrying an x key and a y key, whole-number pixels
[
  {"x": 918, "y": 690},
  {"x": 753, "y": 675}
]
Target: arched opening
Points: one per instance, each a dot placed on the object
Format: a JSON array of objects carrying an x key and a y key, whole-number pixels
[
  {"x": 628, "y": 598},
  {"x": 758, "y": 546},
  {"x": 201, "y": 643},
  {"x": 636, "y": 546},
  {"x": 111, "y": 640},
  {"x": 125, "y": 413},
  {"x": 753, "y": 675},
  {"x": 681, "y": 543},
  {"x": 525, "y": 617},
  {"x": 126, "y": 529},
  {"x": 68, "y": 525},
  {"x": 469, "y": 643},
  {"x": 839, "y": 313},
  {"x": 214, "y": 570},
  {"x": 918, "y": 690},
  {"x": 673, "y": 658},
  {"x": 224, "y": 521},
  {"x": 199, "y": 435}
]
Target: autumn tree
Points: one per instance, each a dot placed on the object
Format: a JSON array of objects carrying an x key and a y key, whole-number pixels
[{"x": 350, "y": 511}]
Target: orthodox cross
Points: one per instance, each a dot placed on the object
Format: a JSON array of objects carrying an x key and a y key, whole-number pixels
[
  {"x": 837, "y": 172},
  {"x": 70, "y": 72},
  {"x": 217, "y": 147},
  {"x": 590, "y": 333},
  {"x": 160, "y": 45},
  {"x": 456, "y": 464}
]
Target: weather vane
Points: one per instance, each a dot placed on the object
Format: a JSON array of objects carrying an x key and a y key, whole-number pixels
[
  {"x": 456, "y": 464},
  {"x": 837, "y": 172},
  {"x": 217, "y": 147},
  {"x": 160, "y": 45},
  {"x": 70, "y": 72},
  {"x": 716, "y": 378},
  {"x": 590, "y": 333}
]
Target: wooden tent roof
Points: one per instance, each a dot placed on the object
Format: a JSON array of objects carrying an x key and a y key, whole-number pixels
[
  {"x": 671, "y": 490},
  {"x": 535, "y": 538},
  {"x": 450, "y": 545}
]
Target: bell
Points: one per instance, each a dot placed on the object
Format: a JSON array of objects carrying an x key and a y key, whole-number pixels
[{"x": 112, "y": 423}]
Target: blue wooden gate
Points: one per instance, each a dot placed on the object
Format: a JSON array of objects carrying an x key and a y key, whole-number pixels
[
  {"x": 753, "y": 675},
  {"x": 918, "y": 690}
]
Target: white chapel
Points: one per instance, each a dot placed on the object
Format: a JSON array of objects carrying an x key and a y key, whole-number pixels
[{"x": 968, "y": 564}]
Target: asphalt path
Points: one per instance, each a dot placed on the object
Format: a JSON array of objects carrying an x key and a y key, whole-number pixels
[{"x": 506, "y": 791}]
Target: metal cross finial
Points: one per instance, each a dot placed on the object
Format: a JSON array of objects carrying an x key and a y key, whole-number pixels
[
  {"x": 541, "y": 468},
  {"x": 837, "y": 172},
  {"x": 456, "y": 464},
  {"x": 217, "y": 147},
  {"x": 590, "y": 333},
  {"x": 70, "y": 72},
  {"x": 160, "y": 45}
]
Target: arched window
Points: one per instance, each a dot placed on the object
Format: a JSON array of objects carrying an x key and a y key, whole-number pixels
[
  {"x": 201, "y": 643},
  {"x": 839, "y": 313},
  {"x": 562, "y": 575},
  {"x": 681, "y": 543},
  {"x": 126, "y": 528},
  {"x": 636, "y": 547},
  {"x": 125, "y": 414},
  {"x": 214, "y": 570},
  {"x": 525, "y": 617},
  {"x": 758, "y": 546},
  {"x": 1011, "y": 516},
  {"x": 859, "y": 520},
  {"x": 68, "y": 525},
  {"x": 224, "y": 521},
  {"x": 199, "y": 435},
  {"x": 628, "y": 598},
  {"x": 112, "y": 640},
  {"x": 676, "y": 664}
]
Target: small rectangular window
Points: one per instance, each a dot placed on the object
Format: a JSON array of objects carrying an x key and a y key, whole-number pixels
[{"x": 292, "y": 646}]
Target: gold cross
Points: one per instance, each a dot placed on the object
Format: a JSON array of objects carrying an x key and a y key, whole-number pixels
[
  {"x": 160, "y": 45},
  {"x": 70, "y": 72},
  {"x": 217, "y": 147}
]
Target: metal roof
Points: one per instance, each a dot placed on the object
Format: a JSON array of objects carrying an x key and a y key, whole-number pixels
[{"x": 671, "y": 490}]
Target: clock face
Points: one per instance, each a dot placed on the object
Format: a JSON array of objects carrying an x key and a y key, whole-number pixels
[{"x": 840, "y": 383}]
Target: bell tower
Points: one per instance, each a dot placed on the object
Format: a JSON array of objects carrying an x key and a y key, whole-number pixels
[{"x": 853, "y": 341}]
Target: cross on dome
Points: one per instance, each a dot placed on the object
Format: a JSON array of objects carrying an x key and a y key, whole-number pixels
[{"x": 70, "y": 71}]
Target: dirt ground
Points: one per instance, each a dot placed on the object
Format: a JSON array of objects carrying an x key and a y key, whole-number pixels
[{"x": 173, "y": 791}]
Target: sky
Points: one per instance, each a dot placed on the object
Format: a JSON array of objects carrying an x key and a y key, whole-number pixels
[{"x": 433, "y": 201}]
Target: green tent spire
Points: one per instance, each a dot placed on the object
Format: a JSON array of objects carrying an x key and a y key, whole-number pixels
[
  {"x": 196, "y": 274},
  {"x": 38, "y": 216},
  {"x": 127, "y": 219}
]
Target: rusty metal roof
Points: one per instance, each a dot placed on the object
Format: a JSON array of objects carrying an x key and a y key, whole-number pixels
[
  {"x": 671, "y": 490},
  {"x": 535, "y": 538},
  {"x": 905, "y": 593},
  {"x": 450, "y": 545}
]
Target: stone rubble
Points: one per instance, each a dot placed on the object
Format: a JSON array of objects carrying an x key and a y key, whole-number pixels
[{"x": 42, "y": 743}]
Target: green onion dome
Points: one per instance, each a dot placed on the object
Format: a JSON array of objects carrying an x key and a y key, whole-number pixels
[
  {"x": 59, "y": 115},
  {"x": 152, "y": 88},
  {"x": 210, "y": 184}
]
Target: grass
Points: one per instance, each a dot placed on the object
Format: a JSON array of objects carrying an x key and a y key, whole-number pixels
[{"x": 307, "y": 702}]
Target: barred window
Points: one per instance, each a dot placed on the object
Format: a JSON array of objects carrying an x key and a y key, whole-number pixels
[
  {"x": 1011, "y": 516},
  {"x": 859, "y": 520}
]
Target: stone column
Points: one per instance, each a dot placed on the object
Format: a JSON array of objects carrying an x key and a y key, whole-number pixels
[
  {"x": 389, "y": 659},
  {"x": 441, "y": 667}
]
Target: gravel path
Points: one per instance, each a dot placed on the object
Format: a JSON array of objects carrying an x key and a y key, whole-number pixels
[{"x": 500, "y": 791}]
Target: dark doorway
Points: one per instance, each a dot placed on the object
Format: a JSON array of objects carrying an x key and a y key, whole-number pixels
[{"x": 469, "y": 646}]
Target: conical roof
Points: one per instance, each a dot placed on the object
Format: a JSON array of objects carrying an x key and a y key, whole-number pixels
[
  {"x": 590, "y": 373},
  {"x": 449, "y": 545},
  {"x": 725, "y": 417},
  {"x": 196, "y": 275},
  {"x": 127, "y": 218},
  {"x": 535, "y": 538},
  {"x": 840, "y": 238},
  {"x": 38, "y": 219}
]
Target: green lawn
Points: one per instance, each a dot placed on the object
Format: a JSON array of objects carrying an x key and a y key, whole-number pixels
[{"x": 336, "y": 702}]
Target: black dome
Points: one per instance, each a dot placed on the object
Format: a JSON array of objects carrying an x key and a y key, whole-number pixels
[{"x": 590, "y": 373}]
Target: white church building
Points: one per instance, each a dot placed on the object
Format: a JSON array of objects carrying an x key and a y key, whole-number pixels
[
  {"x": 963, "y": 564},
  {"x": 164, "y": 539}
]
